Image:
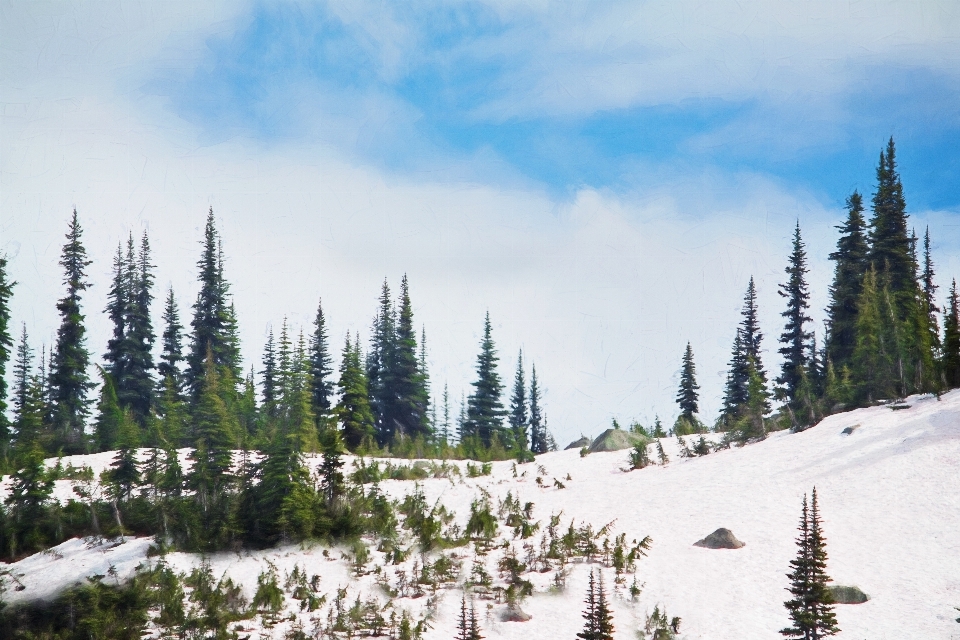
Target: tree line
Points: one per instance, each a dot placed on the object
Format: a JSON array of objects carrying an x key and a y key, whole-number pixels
[{"x": 882, "y": 339}]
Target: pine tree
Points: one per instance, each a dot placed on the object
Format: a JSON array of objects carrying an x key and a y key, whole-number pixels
[
  {"x": 172, "y": 355},
  {"x": 687, "y": 396},
  {"x": 873, "y": 354},
  {"x": 538, "y": 439},
  {"x": 738, "y": 376},
  {"x": 214, "y": 320},
  {"x": 745, "y": 362},
  {"x": 6, "y": 344},
  {"x": 811, "y": 607},
  {"x": 321, "y": 367},
  {"x": 444, "y": 432},
  {"x": 484, "y": 408},
  {"x": 271, "y": 391},
  {"x": 930, "y": 293},
  {"x": 518, "y": 407},
  {"x": 849, "y": 271},
  {"x": 30, "y": 489},
  {"x": 106, "y": 426},
  {"x": 890, "y": 246},
  {"x": 118, "y": 301},
  {"x": 211, "y": 478},
  {"x": 22, "y": 367},
  {"x": 124, "y": 473},
  {"x": 794, "y": 338},
  {"x": 468, "y": 626},
  {"x": 380, "y": 367},
  {"x": 598, "y": 619},
  {"x": 353, "y": 410},
  {"x": 951, "y": 339},
  {"x": 405, "y": 379},
  {"x": 69, "y": 382},
  {"x": 135, "y": 387},
  {"x": 331, "y": 476}
]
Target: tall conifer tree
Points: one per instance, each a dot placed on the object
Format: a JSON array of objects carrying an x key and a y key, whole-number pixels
[
  {"x": 687, "y": 396},
  {"x": 214, "y": 320},
  {"x": 485, "y": 410},
  {"x": 69, "y": 382},
  {"x": 850, "y": 268},
  {"x": 518, "y": 407},
  {"x": 380, "y": 367},
  {"x": 538, "y": 429},
  {"x": 795, "y": 338},
  {"x": 406, "y": 382},
  {"x": 6, "y": 346},
  {"x": 353, "y": 410},
  {"x": 951, "y": 339},
  {"x": 321, "y": 367},
  {"x": 172, "y": 354},
  {"x": 269, "y": 375},
  {"x": 891, "y": 249}
]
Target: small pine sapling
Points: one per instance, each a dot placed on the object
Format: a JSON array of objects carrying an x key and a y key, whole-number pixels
[
  {"x": 661, "y": 454},
  {"x": 639, "y": 458}
]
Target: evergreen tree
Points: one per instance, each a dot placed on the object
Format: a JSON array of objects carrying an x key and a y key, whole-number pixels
[
  {"x": 745, "y": 361},
  {"x": 468, "y": 626},
  {"x": 380, "y": 366},
  {"x": 518, "y": 407},
  {"x": 738, "y": 376},
  {"x": 951, "y": 339},
  {"x": 135, "y": 387},
  {"x": 353, "y": 410},
  {"x": 794, "y": 338},
  {"x": 873, "y": 354},
  {"x": 211, "y": 478},
  {"x": 538, "y": 434},
  {"x": 21, "y": 376},
  {"x": 444, "y": 431},
  {"x": 598, "y": 619},
  {"x": 172, "y": 355},
  {"x": 214, "y": 321},
  {"x": 6, "y": 344},
  {"x": 321, "y": 367},
  {"x": 930, "y": 294},
  {"x": 891, "y": 249},
  {"x": 811, "y": 607},
  {"x": 270, "y": 385},
  {"x": 849, "y": 271},
  {"x": 106, "y": 427},
  {"x": 405, "y": 379},
  {"x": 484, "y": 409},
  {"x": 69, "y": 382},
  {"x": 687, "y": 396},
  {"x": 118, "y": 301},
  {"x": 331, "y": 476},
  {"x": 30, "y": 489},
  {"x": 124, "y": 473}
]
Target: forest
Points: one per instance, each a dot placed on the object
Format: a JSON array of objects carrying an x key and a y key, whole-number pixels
[{"x": 245, "y": 482}]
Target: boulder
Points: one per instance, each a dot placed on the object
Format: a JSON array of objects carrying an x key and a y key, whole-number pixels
[
  {"x": 584, "y": 441},
  {"x": 720, "y": 539},
  {"x": 616, "y": 440},
  {"x": 847, "y": 595},
  {"x": 849, "y": 430},
  {"x": 514, "y": 613}
]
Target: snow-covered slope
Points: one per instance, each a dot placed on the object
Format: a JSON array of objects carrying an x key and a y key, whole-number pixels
[{"x": 890, "y": 501}]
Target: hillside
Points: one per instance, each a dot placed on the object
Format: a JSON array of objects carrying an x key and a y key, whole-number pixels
[{"x": 889, "y": 500}]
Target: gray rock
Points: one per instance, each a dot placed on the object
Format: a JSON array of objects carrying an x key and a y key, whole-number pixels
[
  {"x": 720, "y": 539},
  {"x": 514, "y": 613},
  {"x": 849, "y": 430},
  {"x": 847, "y": 595},
  {"x": 584, "y": 441},
  {"x": 616, "y": 440}
]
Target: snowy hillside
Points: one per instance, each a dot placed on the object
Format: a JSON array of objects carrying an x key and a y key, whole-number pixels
[{"x": 890, "y": 500}]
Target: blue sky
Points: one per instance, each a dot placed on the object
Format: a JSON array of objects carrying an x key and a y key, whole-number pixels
[
  {"x": 603, "y": 178},
  {"x": 462, "y": 81}
]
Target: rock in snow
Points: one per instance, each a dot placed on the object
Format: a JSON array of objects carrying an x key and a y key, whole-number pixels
[
  {"x": 584, "y": 441},
  {"x": 720, "y": 539},
  {"x": 848, "y": 595},
  {"x": 615, "y": 440}
]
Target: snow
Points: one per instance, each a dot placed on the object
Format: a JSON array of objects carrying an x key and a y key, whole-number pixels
[{"x": 889, "y": 498}]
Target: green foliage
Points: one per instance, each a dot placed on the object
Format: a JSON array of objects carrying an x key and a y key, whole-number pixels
[
  {"x": 951, "y": 339},
  {"x": 268, "y": 599},
  {"x": 687, "y": 396},
  {"x": 794, "y": 337},
  {"x": 425, "y": 522},
  {"x": 517, "y": 417},
  {"x": 353, "y": 411},
  {"x": 598, "y": 620},
  {"x": 849, "y": 271},
  {"x": 6, "y": 343},
  {"x": 69, "y": 383},
  {"x": 485, "y": 410},
  {"x": 659, "y": 626},
  {"x": 638, "y": 457}
]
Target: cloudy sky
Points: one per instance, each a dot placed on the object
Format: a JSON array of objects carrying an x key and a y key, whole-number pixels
[{"x": 602, "y": 177}]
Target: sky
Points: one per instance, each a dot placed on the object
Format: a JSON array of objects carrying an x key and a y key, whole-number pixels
[{"x": 603, "y": 178}]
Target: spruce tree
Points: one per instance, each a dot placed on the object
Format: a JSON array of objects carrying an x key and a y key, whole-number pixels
[
  {"x": 321, "y": 367},
  {"x": 485, "y": 410},
  {"x": 518, "y": 407},
  {"x": 538, "y": 435},
  {"x": 380, "y": 366},
  {"x": 214, "y": 320},
  {"x": 353, "y": 411},
  {"x": 137, "y": 389},
  {"x": 271, "y": 391},
  {"x": 69, "y": 382},
  {"x": 930, "y": 294},
  {"x": 951, "y": 339},
  {"x": 735, "y": 389},
  {"x": 687, "y": 396},
  {"x": 405, "y": 380},
  {"x": 22, "y": 367},
  {"x": 444, "y": 432},
  {"x": 30, "y": 488},
  {"x": 811, "y": 607},
  {"x": 106, "y": 426},
  {"x": 890, "y": 245},
  {"x": 6, "y": 344},
  {"x": 169, "y": 367},
  {"x": 873, "y": 355},
  {"x": 849, "y": 271},
  {"x": 794, "y": 338},
  {"x": 118, "y": 300},
  {"x": 598, "y": 620}
]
